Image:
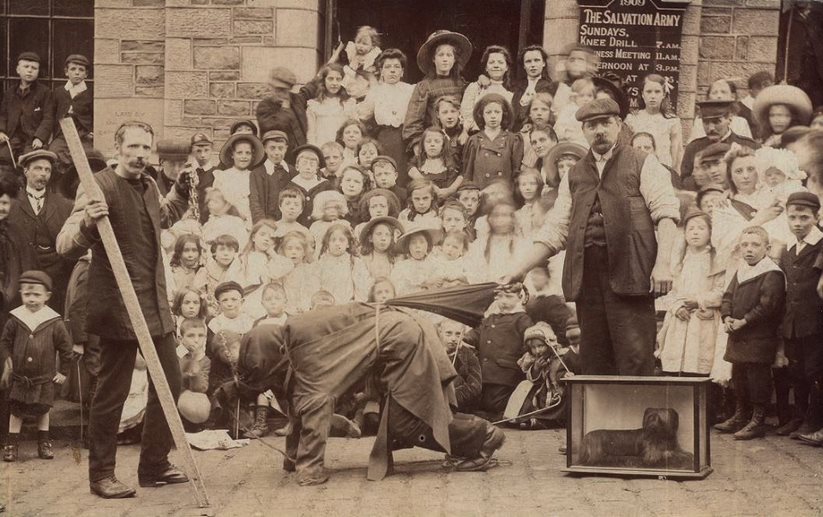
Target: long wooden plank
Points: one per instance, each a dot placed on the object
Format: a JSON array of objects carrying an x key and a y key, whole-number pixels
[{"x": 138, "y": 321}]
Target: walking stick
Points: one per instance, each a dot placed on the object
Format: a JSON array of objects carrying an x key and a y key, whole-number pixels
[{"x": 138, "y": 322}]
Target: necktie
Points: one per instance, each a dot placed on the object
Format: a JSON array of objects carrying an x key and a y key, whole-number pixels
[{"x": 38, "y": 202}]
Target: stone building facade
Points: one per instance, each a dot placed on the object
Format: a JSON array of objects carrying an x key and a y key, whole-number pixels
[{"x": 198, "y": 65}]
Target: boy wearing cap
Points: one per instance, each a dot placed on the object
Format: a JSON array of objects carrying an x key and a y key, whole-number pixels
[
  {"x": 709, "y": 168},
  {"x": 717, "y": 119},
  {"x": 269, "y": 178},
  {"x": 802, "y": 326},
  {"x": 36, "y": 218},
  {"x": 202, "y": 147},
  {"x": 31, "y": 337},
  {"x": 74, "y": 99},
  {"x": 384, "y": 170},
  {"x": 26, "y": 115},
  {"x": 173, "y": 155}
]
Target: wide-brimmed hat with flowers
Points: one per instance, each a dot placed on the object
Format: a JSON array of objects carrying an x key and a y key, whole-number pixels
[
  {"x": 426, "y": 52},
  {"x": 792, "y": 96}
]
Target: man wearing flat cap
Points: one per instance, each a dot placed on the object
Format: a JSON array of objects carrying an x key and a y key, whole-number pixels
[
  {"x": 36, "y": 217},
  {"x": 270, "y": 177},
  {"x": 173, "y": 156},
  {"x": 709, "y": 168},
  {"x": 74, "y": 99},
  {"x": 26, "y": 116},
  {"x": 717, "y": 120},
  {"x": 284, "y": 109},
  {"x": 201, "y": 151},
  {"x": 802, "y": 326},
  {"x": 605, "y": 216}
]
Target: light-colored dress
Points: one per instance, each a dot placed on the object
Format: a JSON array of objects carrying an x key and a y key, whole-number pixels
[
  {"x": 660, "y": 127},
  {"x": 409, "y": 275},
  {"x": 378, "y": 265},
  {"x": 568, "y": 128},
  {"x": 226, "y": 224},
  {"x": 689, "y": 346},
  {"x": 503, "y": 251},
  {"x": 235, "y": 185},
  {"x": 345, "y": 277},
  {"x": 259, "y": 270},
  {"x": 325, "y": 118},
  {"x": 300, "y": 284}
]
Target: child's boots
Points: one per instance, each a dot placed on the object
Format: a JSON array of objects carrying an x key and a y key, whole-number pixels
[
  {"x": 756, "y": 428},
  {"x": 44, "y": 447},
  {"x": 260, "y": 428},
  {"x": 10, "y": 449},
  {"x": 738, "y": 420}
]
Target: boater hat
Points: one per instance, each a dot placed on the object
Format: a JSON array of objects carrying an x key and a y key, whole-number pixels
[
  {"x": 426, "y": 52},
  {"x": 792, "y": 96},
  {"x": 258, "y": 153},
  {"x": 435, "y": 235}
]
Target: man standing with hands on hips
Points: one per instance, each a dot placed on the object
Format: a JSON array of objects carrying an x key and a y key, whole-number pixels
[
  {"x": 137, "y": 213},
  {"x": 605, "y": 216}
]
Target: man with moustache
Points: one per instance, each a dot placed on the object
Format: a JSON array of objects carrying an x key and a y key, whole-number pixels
[
  {"x": 132, "y": 202},
  {"x": 717, "y": 119},
  {"x": 36, "y": 217},
  {"x": 605, "y": 216}
]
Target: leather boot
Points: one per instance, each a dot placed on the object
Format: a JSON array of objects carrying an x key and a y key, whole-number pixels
[
  {"x": 44, "y": 450},
  {"x": 789, "y": 427},
  {"x": 10, "y": 452},
  {"x": 756, "y": 428},
  {"x": 260, "y": 428},
  {"x": 737, "y": 421}
]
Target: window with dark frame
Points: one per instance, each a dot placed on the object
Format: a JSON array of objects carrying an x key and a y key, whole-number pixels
[{"x": 52, "y": 28}]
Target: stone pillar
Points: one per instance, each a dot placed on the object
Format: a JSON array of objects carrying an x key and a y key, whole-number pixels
[
  {"x": 129, "y": 54},
  {"x": 560, "y": 31},
  {"x": 689, "y": 57}
]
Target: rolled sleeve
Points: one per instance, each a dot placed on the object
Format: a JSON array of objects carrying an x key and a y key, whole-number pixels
[
  {"x": 555, "y": 228},
  {"x": 656, "y": 188},
  {"x": 75, "y": 238}
]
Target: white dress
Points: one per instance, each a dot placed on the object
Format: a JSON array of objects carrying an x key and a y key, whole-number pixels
[
  {"x": 325, "y": 118},
  {"x": 235, "y": 186},
  {"x": 502, "y": 254},
  {"x": 660, "y": 128},
  {"x": 345, "y": 277}
]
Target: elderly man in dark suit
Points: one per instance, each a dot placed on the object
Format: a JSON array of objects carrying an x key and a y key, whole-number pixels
[
  {"x": 607, "y": 209},
  {"x": 36, "y": 217}
]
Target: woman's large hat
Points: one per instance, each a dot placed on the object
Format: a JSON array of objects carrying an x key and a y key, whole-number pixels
[
  {"x": 550, "y": 161},
  {"x": 791, "y": 96},
  {"x": 460, "y": 42},
  {"x": 435, "y": 235},
  {"x": 258, "y": 152}
]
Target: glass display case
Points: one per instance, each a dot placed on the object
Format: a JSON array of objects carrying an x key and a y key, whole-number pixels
[{"x": 638, "y": 426}]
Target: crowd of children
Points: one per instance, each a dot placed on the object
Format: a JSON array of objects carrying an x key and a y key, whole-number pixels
[{"x": 396, "y": 188}]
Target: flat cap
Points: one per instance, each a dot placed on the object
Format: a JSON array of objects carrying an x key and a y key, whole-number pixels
[
  {"x": 467, "y": 185},
  {"x": 803, "y": 199},
  {"x": 714, "y": 152},
  {"x": 80, "y": 59},
  {"x": 201, "y": 138},
  {"x": 313, "y": 149},
  {"x": 24, "y": 160},
  {"x": 598, "y": 108},
  {"x": 225, "y": 287},
  {"x": 33, "y": 276},
  {"x": 28, "y": 56},
  {"x": 386, "y": 159},
  {"x": 714, "y": 108},
  {"x": 282, "y": 75},
  {"x": 173, "y": 149},
  {"x": 275, "y": 134}
]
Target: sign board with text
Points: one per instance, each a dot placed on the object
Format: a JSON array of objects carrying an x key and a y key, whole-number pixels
[{"x": 635, "y": 38}]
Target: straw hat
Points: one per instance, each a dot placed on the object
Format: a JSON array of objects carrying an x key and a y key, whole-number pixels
[
  {"x": 403, "y": 241},
  {"x": 426, "y": 52},
  {"x": 258, "y": 153},
  {"x": 791, "y": 96},
  {"x": 367, "y": 228}
]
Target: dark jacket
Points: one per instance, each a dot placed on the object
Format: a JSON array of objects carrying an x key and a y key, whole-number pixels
[
  {"x": 128, "y": 209},
  {"x": 308, "y": 199},
  {"x": 695, "y": 146},
  {"x": 499, "y": 342},
  {"x": 521, "y": 113},
  {"x": 33, "y": 357},
  {"x": 265, "y": 189},
  {"x": 553, "y": 310},
  {"x": 81, "y": 107},
  {"x": 485, "y": 160},
  {"x": 803, "y": 316},
  {"x": 760, "y": 301},
  {"x": 33, "y": 112},
  {"x": 625, "y": 226},
  {"x": 469, "y": 382},
  {"x": 292, "y": 121}
]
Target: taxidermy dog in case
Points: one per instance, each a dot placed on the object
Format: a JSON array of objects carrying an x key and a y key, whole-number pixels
[{"x": 653, "y": 445}]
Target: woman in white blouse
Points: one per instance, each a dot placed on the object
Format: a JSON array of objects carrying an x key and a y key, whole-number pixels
[{"x": 387, "y": 102}]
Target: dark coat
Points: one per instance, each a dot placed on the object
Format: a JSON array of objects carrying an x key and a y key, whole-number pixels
[
  {"x": 308, "y": 199},
  {"x": 485, "y": 160},
  {"x": 804, "y": 309},
  {"x": 33, "y": 112},
  {"x": 107, "y": 316},
  {"x": 469, "y": 382},
  {"x": 499, "y": 342},
  {"x": 37, "y": 238},
  {"x": 760, "y": 301},
  {"x": 292, "y": 121},
  {"x": 265, "y": 189},
  {"x": 521, "y": 113},
  {"x": 553, "y": 311},
  {"x": 82, "y": 109},
  {"x": 33, "y": 357},
  {"x": 697, "y": 145}
]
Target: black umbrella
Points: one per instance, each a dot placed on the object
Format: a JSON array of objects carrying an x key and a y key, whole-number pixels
[{"x": 465, "y": 303}]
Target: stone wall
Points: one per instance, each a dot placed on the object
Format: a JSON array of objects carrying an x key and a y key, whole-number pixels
[
  {"x": 195, "y": 65},
  {"x": 738, "y": 38}
]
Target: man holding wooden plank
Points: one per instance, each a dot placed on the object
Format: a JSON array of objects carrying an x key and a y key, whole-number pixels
[{"x": 137, "y": 213}]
